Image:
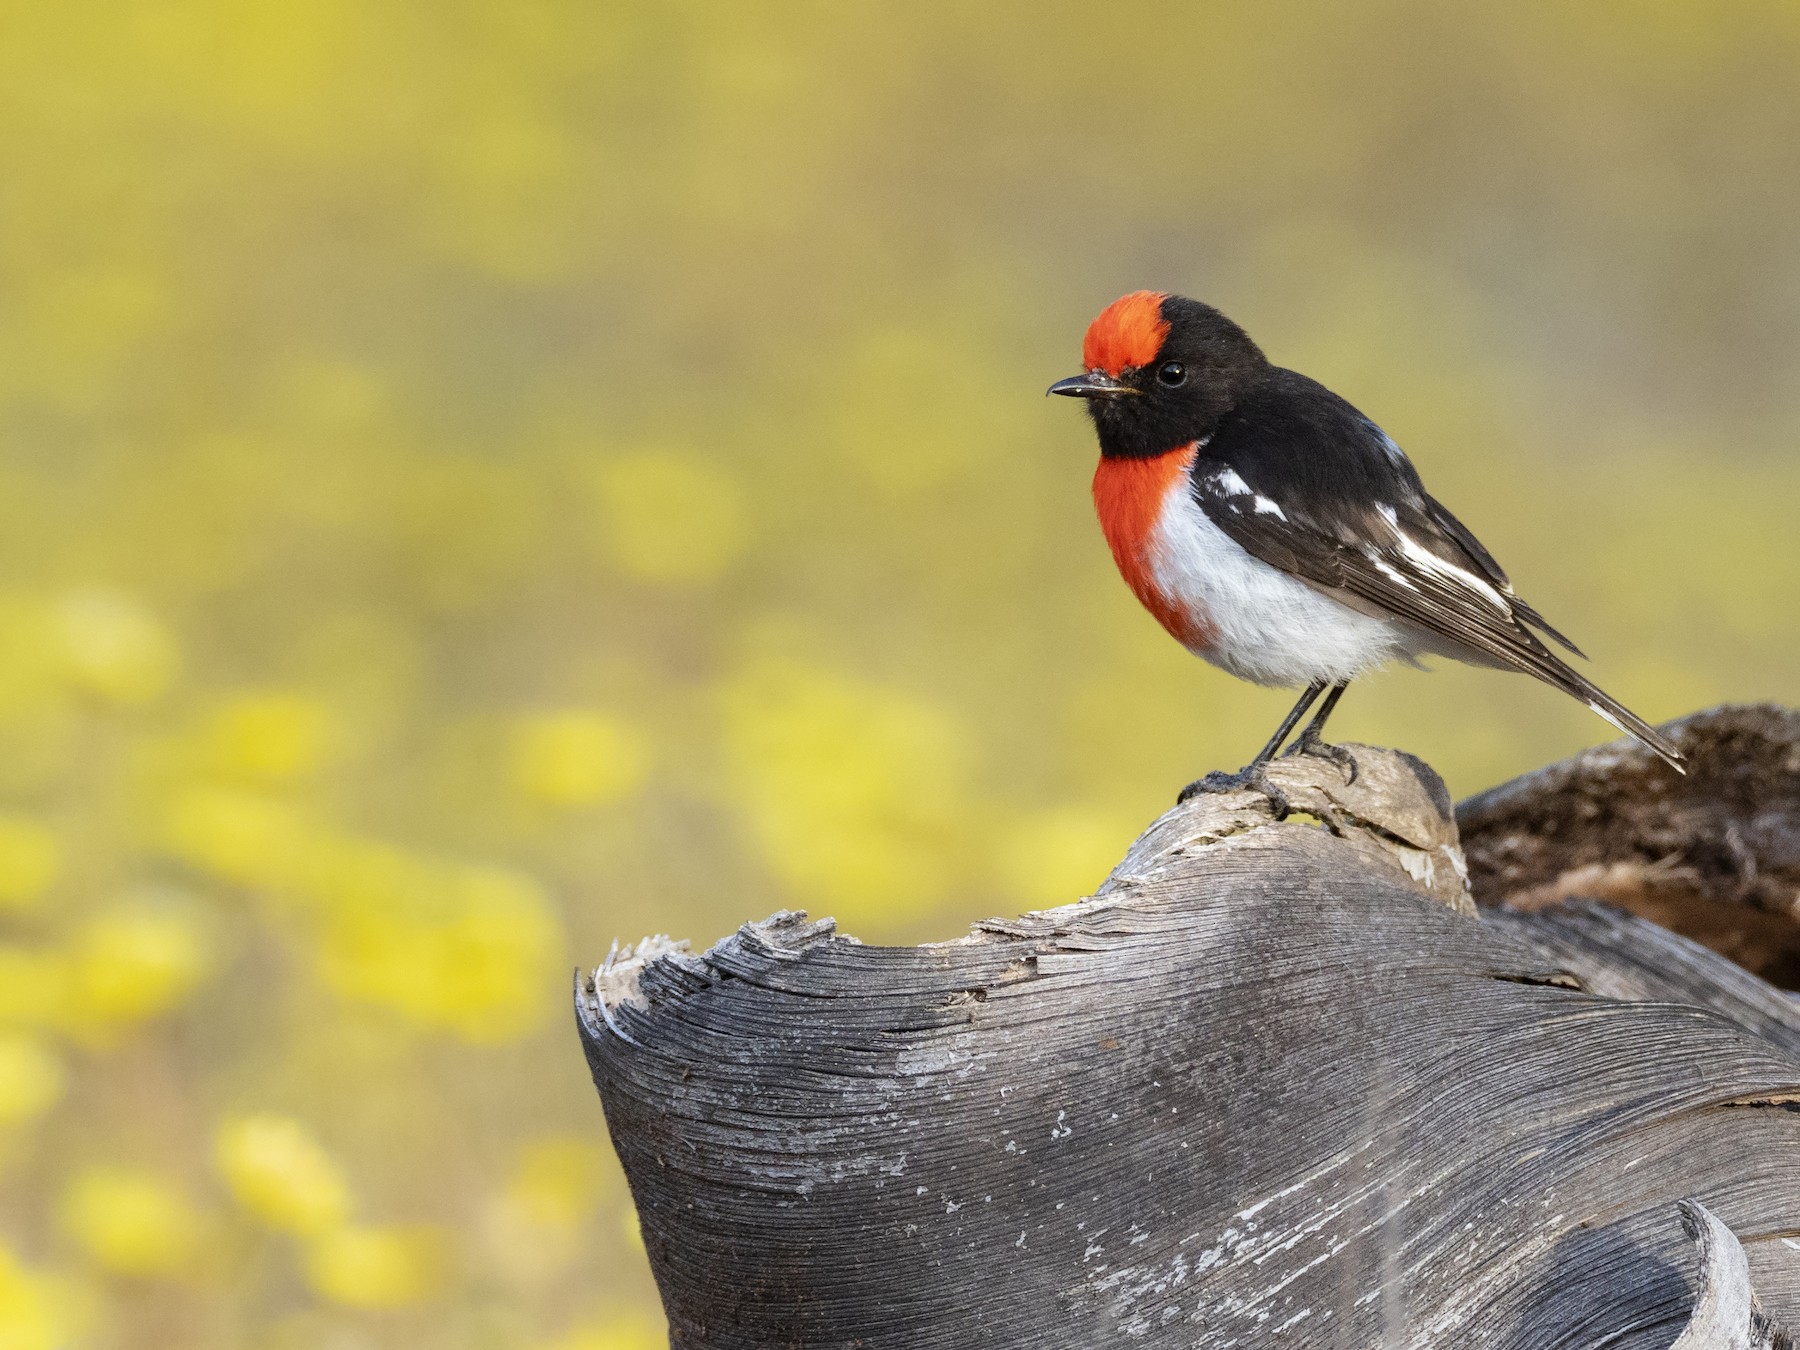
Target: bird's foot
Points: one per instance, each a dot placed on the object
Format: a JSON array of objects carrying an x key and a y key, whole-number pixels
[
  {"x": 1253, "y": 776},
  {"x": 1315, "y": 747}
]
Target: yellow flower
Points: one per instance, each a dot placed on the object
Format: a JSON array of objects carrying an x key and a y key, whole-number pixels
[
  {"x": 115, "y": 647},
  {"x": 369, "y": 1267},
  {"x": 135, "y": 961},
  {"x": 465, "y": 950},
  {"x": 31, "y": 1078},
  {"x": 497, "y": 952},
  {"x": 270, "y": 738},
  {"x": 281, "y": 1174},
  {"x": 577, "y": 758},
  {"x": 131, "y": 1222},
  {"x": 29, "y": 861},
  {"x": 556, "y": 1180},
  {"x": 669, "y": 516},
  {"x": 37, "y": 1312},
  {"x": 243, "y": 837},
  {"x": 533, "y": 1229}
]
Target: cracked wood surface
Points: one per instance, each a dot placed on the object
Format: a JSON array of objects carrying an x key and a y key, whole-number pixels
[{"x": 1274, "y": 1081}]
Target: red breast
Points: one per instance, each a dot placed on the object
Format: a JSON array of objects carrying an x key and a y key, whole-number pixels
[{"x": 1129, "y": 495}]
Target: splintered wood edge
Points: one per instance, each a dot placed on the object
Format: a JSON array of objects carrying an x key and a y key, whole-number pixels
[
  {"x": 615, "y": 980},
  {"x": 1395, "y": 818},
  {"x": 1727, "y": 1314}
]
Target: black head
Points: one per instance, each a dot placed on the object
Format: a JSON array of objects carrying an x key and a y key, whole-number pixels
[{"x": 1161, "y": 371}]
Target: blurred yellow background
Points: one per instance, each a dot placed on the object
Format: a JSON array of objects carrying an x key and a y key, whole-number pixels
[{"x": 482, "y": 478}]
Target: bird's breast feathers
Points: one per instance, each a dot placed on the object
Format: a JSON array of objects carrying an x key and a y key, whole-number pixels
[
  {"x": 1222, "y": 604},
  {"x": 1131, "y": 497}
]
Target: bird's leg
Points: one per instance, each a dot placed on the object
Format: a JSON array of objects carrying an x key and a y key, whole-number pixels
[
  {"x": 1295, "y": 713},
  {"x": 1253, "y": 774},
  {"x": 1312, "y": 741}
]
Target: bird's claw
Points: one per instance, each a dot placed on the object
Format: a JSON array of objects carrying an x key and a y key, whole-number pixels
[
  {"x": 1316, "y": 747},
  {"x": 1252, "y": 776}
]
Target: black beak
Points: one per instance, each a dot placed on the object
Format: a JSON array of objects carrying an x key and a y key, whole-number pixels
[{"x": 1094, "y": 384}]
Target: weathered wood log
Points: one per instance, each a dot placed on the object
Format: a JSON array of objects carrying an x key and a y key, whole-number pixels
[
  {"x": 1714, "y": 856},
  {"x": 1275, "y": 1080}
]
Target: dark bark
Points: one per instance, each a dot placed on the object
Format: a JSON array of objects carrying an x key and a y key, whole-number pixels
[
  {"x": 1275, "y": 1080},
  {"x": 1714, "y": 856}
]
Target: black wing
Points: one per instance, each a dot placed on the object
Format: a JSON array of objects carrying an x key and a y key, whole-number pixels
[{"x": 1301, "y": 480}]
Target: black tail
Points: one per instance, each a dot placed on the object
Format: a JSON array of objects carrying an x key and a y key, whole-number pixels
[
  {"x": 1571, "y": 682},
  {"x": 1532, "y": 619}
]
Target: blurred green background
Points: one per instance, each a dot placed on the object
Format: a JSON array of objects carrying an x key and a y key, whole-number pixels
[{"x": 484, "y": 478}]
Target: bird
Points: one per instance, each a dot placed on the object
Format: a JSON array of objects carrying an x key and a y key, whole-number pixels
[{"x": 1279, "y": 533}]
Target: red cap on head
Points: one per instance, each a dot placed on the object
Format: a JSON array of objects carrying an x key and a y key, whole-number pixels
[{"x": 1129, "y": 332}]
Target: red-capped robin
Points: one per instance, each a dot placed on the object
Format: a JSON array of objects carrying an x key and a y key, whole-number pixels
[{"x": 1278, "y": 533}]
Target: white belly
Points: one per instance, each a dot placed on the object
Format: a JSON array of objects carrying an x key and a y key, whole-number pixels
[{"x": 1261, "y": 624}]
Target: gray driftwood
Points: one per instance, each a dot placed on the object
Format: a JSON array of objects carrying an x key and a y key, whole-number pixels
[{"x": 1274, "y": 1082}]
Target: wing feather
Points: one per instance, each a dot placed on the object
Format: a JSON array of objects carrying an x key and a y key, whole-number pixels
[{"x": 1367, "y": 533}]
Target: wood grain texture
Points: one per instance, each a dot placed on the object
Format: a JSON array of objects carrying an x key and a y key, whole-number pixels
[{"x": 1274, "y": 1082}]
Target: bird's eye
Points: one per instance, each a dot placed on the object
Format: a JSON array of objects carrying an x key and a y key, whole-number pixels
[{"x": 1171, "y": 373}]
